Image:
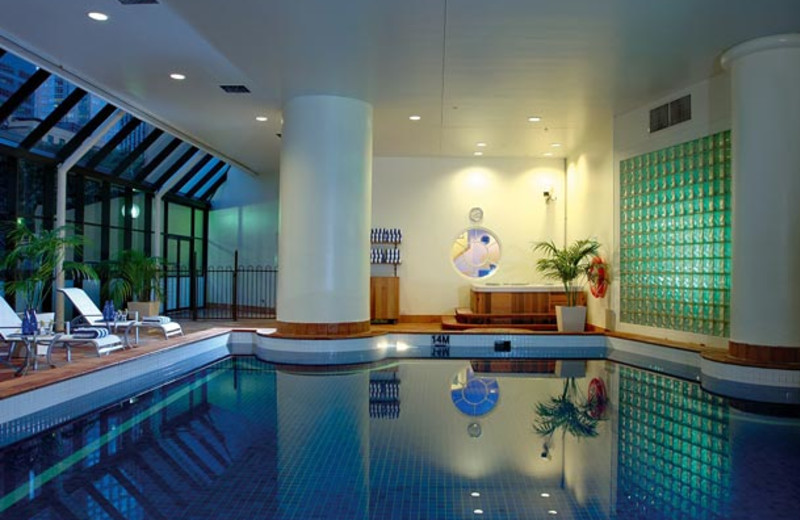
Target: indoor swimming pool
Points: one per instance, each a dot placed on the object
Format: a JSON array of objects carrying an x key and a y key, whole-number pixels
[{"x": 412, "y": 439}]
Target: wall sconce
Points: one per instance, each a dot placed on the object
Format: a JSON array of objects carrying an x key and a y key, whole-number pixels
[
  {"x": 549, "y": 194},
  {"x": 135, "y": 211}
]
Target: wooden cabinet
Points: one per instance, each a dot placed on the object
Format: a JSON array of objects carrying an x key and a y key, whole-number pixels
[{"x": 384, "y": 298}]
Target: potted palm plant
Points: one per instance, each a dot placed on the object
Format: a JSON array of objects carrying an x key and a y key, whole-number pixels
[
  {"x": 37, "y": 258},
  {"x": 135, "y": 278},
  {"x": 569, "y": 265}
]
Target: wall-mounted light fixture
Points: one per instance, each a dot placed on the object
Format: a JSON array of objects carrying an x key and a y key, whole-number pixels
[
  {"x": 549, "y": 194},
  {"x": 135, "y": 211}
]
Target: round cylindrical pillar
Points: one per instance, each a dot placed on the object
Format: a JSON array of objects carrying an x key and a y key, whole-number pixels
[
  {"x": 325, "y": 211},
  {"x": 765, "y": 98}
]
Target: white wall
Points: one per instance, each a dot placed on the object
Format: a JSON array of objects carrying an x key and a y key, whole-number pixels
[
  {"x": 244, "y": 217},
  {"x": 710, "y": 114},
  {"x": 429, "y": 200},
  {"x": 590, "y": 203}
]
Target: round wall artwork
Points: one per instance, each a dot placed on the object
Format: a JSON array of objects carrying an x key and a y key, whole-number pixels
[{"x": 476, "y": 253}]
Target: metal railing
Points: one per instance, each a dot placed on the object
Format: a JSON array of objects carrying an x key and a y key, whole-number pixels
[{"x": 221, "y": 292}]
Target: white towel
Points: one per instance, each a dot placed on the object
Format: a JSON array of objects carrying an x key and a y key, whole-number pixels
[
  {"x": 90, "y": 332},
  {"x": 157, "y": 319}
]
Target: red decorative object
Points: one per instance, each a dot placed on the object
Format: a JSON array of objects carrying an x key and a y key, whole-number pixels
[
  {"x": 597, "y": 398},
  {"x": 598, "y": 277}
]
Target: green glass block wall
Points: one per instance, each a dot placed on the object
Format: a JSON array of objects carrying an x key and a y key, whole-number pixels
[
  {"x": 675, "y": 237},
  {"x": 674, "y": 453}
]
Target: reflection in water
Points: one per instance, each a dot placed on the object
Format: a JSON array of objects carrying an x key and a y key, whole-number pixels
[{"x": 244, "y": 440}]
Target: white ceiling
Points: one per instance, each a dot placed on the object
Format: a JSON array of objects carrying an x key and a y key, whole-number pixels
[{"x": 473, "y": 69}]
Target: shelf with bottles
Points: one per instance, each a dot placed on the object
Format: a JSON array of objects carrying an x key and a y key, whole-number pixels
[
  {"x": 380, "y": 256},
  {"x": 393, "y": 236}
]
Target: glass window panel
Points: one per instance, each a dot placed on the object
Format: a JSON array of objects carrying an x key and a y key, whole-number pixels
[
  {"x": 14, "y": 72},
  {"x": 199, "y": 175},
  {"x": 116, "y": 241},
  {"x": 93, "y": 202},
  {"x": 137, "y": 240},
  {"x": 105, "y": 139},
  {"x": 69, "y": 125},
  {"x": 199, "y": 250},
  {"x": 137, "y": 210},
  {"x": 180, "y": 220},
  {"x": 91, "y": 250},
  {"x": 8, "y": 200},
  {"x": 127, "y": 146},
  {"x": 166, "y": 164},
  {"x": 117, "y": 202},
  {"x": 47, "y": 97},
  {"x": 152, "y": 151},
  {"x": 31, "y": 187},
  {"x": 198, "y": 223}
]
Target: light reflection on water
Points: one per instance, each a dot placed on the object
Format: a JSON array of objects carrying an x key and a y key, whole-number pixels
[{"x": 246, "y": 440}]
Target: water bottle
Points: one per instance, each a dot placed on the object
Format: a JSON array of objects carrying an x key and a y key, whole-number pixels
[{"x": 26, "y": 324}]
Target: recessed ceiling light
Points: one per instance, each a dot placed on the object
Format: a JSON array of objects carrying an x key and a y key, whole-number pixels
[
  {"x": 177, "y": 76},
  {"x": 534, "y": 119},
  {"x": 477, "y": 153},
  {"x": 548, "y": 154},
  {"x": 552, "y": 512},
  {"x": 98, "y": 17},
  {"x": 545, "y": 495},
  {"x": 261, "y": 118},
  {"x": 478, "y": 511},
  {"x": 415, "y": 118},
  {"x": 474, "y": 494},
  {"x": 480, "y": 145},
  {"x": 555, "y": 145}
]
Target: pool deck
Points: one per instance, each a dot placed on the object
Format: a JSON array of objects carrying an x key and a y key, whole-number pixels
[{"x": 84, "y": 360}]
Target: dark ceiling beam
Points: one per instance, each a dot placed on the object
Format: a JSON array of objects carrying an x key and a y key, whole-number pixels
[
  {"x": 54, "y": 117},
  {"x": 23, "y": 92},
  {"x": 142, "y": 174},
  {"x": 137, "y": 152},
  {"x": 207, "y": 177},
  {"x": 206, "y": 197},
  {"x": 188, "y": 176},
  {"x": 85, "y": 131},
  {"x": 127, "y": 129},
  {"x": 174, "y": 167}
]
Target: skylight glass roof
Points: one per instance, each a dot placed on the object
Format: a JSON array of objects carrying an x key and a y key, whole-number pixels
[{"x": 50, "y": 116}]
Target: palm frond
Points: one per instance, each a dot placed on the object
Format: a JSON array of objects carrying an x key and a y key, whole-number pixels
[
  {"x": 565, "y": 411},
  {"x": 566, "y": 264}
]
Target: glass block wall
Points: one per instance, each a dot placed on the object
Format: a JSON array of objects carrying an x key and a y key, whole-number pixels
[
  {"x": 674, "y": 453},
  {"x": 675, "y": 237}
]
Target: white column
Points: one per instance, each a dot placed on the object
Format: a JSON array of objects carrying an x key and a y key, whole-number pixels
[
  {"x": 765, "y": 98},
  {"x": 325, "y": 211}
]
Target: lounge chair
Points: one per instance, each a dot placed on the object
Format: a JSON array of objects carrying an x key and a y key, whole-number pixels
[
  {"x": 11, "y": 333},
  {"x": 92, "y": 316}
]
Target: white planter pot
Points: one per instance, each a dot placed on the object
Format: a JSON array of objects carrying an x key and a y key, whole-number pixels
[{"x": 571, "y": 319}]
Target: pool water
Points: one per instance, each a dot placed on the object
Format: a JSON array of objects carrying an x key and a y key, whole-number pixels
[{"x": 432, "y": 439}]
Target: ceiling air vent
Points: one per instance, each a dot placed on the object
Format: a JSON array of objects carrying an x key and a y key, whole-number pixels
[
  {"x": 235, "y": 89},
  {"x": 137, "y": 2},
  {"x": 671, "y": 113}
]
